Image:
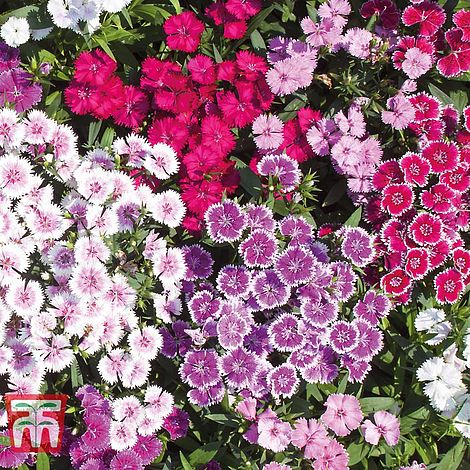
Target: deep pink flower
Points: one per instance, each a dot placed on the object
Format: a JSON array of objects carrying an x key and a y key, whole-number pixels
[
  {"x": 427, "y": 14},
  {"x": 449, "y": 285},
  {"x": 438, "y": 198},
  {"x": 415, "y": 169},
  {"x": 417, "y": 263},
  {"x": 397, "y": 199},
  {"x": 458, "y": 59},
  {"x": 426, "y": 106},
  {"x": 133, "y": 109},
  {"x": 461, "y": 259},
  {"x": 343, "y": 413},
  {"x": 426, "y": 229},
  {"x": 462, "y": 20},
  {"x": 442, "y": 156},
  {"x": 94, "y": 67},
  {"x": 386, "y": 10},
  {"x": 184, "y": 31},
  {"x": 395, "y": 282}
]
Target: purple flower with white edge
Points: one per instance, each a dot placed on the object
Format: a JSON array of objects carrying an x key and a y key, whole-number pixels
[
  {"x": 369, "y": 341},
  {"x": 296, "y": 228},
  {"x": 345, "y": 280},
  {"x": 260, "y": 217},
  {"x": 295, "y": 265},
  {"x": 231, "y": 330},
  {"x": 282, "y": 167},
  {"x": 239, "y": 367},
  {"x": 302, "y": 357},
  {"x": 234, "y": 281},
  {"x": 202, "y": 306},
  {"x": 268, "y": 131},
  {"x": 343, "y": 336},
  {"x": 198, "y": 262},
  {"x": 321, "y": 311},
  {"x": 357, "y": 370},
  {"x": 200, "y": 368},
  {"x": 358, "y": 246},
  {"x": 258, "y": 341},
  {"x": 284, "y": 333},
  {"x": 259, "y": 249},
  {"x": 373, "y": 307},
  {"x": 269, "y": 290},
  {"x": 207, "y": 396},
  {"x": 283, "y": 381},
  {"x": 322, "y": 369},
  {"x": 225, "y": 221}
]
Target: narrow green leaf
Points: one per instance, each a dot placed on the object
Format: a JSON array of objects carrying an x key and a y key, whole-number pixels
[
  {"x": 217, "y": 56},
  {"x": 186, "y": 465},
  {"x": 453, "y": 458},
  {"x": 371, "y": 404},
  {"x": 439, "y": 94},
  {"x": 108, "y": 137},
  {"x": 204, "y": 454},
  {"x": 75, "y": 374},
  {"x": 355, "y": 218},
  {"x": 357, "y": 452},
  {"x": 42, "y": 461},
  {"x": 249, "y": 181},
  {"x": 93, "y": 131},
  {"x": 104, "y": 45},
  {"x": 337, "y": 191},
  {"x": 257, "y": 41},
  {"x": 176, "y": 5}
]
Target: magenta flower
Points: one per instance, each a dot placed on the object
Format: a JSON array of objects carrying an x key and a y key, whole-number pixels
[
  {"x": 357, "y": 246},
  {"x": 310, "y": 434},
  {"x": 126, "y": 459},
  {"x": 321, "y": 367},
  {"x": 200, "y": 368},
  {"x": 283, "y": 168},
  {"x": 320, "y": 311},
  {"x": 343, "y": 336},
  {"x": 260, "y": 217},
  {"x": 239, "y": 367},
  {"x": 177, "y": 423},
  {"x": 397, "y": 199},
  {"x": 295, "y": 265},
  {"x": 426, "y": 229},
  {"x": 357, "y": 370},
  {"x": 269, "y": 290},
  {"x": 386, "y": 426},
  {"x": 296, "y": 228},
  {"x": 343, "y": 413},
  {"x": 284, "y": 333},
  {"x": 225, "y": 221},
  {"x": 234, "y": 281},
  {"x": 283, "y": 381},
  {"x": 449, "y": 285},
  {"x": 415, "y": 169},
  {"x": 258, "y": 249}
]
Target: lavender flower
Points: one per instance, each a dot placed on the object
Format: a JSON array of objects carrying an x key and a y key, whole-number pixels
[{"x": 225, "y": 221}]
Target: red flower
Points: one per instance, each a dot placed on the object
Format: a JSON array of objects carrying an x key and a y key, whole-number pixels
[
  {"x": 94, "y": 68},
  {"x": 397, "y": 199},
  {"x": 184, "y": 31},
  {"x": 394, "y": 236},
  {"x": 155, "y": 73},
  {"x": 133, "y": 109},
  {"x": 458, "y": 179},
  {"x": 81, "y": 98},
  {"x": 386, "y": 10},
  {"x": 295, "y": 142},
  {"x": 462, "y": 20},
  {"x": 442, "y": 156},
  {"x": 461, "y": 259},
  {"x": 227, "y": 70},
  {"x": 448, "y": 286},
  {"x": 417, "y": 263},
  {"x": 438, "y": 198},
  {"x": 201, "y": 161},
  {"x": 202, "y": 69},
  {"x": 395, "y": 282},
  {"x": 458, "y": 60},
  {"x": 235, "y": 29},
  {"x": 244, "y": 9},
  {"x": 426, "y": 107},
  {"x": 251, "y": 67},
  {"x": 415, "y": 169},
  {"x": 426, "y": 229},
  {"x": 110, "y": 97},
  {"x": 387, "y": 173},
  {"x": 429, "y": 15}
]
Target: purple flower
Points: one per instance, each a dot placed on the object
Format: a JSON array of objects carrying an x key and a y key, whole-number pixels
[
  {"x": 258, "y": 341},
  {"x": 369, "y": 341},
  {"x": 234, "y": 281},
  {"x": 9, "y": 458},
  {"x": 296, "y": 228},
  {"x": 302, "y": 357},
  {"x": 282, "y": 167},
  {"x": 283, "y": 381},
  {"x": 258, "y": 249},
  {"x": 345, "y": 280},
  {"x": 207, "y": 396},
  {"x": 202, "y": 306},
  {"x": 357, "y": 246},
  {"x": 199, "y": 368},
  {"x": 239, "y": 367},
  {"x": 198, "y": 262},
  {"x": 96, "y": 435},
  {"x": 231, "y": 330},
  {"x": 343, "y": 336},
  {"x": 225, "y": 221},
  {"x": 357, "y": 369},
  {"x": 322, "y": 369},
  {"x": 269, "y": 290},
  {"x": 17, "y": 88},
  {"x": 372, "y": 307},
  {"x": 93, "y": 464},
  {"x": 126, "y": 459},
  {"x": 295, "y": 265},
  {"x": 284, "y": 333},
  {"x": 177, "y": 423},
  {"x": 260, "y": 217},
  {"x": 9, "y": 57},
  {"x": 177, "y": 343},
  {"x": 148, "y": 448},
  {"x": 320, "y": 311}
]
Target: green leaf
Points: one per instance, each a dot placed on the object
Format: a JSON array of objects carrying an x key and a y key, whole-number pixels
[
  {"x": 93, "y": 131},
  {"x": 355, "y": 218},
  {"x": 357, "y": 452},
  {"x": 176, "y": 5},
  {"x": 335, "y": 193},
  {"x": 459, "y": 100},
  {"x": 108, "y": 137},
  {"x": 19, "y": 13},
  {"x": 453, "y": 458},
  {"x": 75, "y": 374},
  {"x": 257, "y": 41},
  {"x": 217, "y": 56},
  {"x": 42, "y": 461},
  {"x": 224, "y": 419},
  {"x": 204, "y": 454},
  {"x": 249, "y": 181},
  {"x": 371, "y": 404},
  {"x": 5, "y": 440},
  {"x": 439, "y": 94},
  {"x": 104, "y": 45},
  {"x": 186, "y": 465}
]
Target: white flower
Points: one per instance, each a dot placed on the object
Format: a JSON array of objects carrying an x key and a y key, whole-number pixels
[
  {"x": 466, "y": 351},
  {"x": 115, "y": 5},
  {"x": 15, "y": 31},
  {"x": 432, "y": 321},
  {"x": 450, "y": 357},
  {"x": 462, "y": 420},
  {"x": 161, "y": 161},
  {"x": 444, "y": 382},
  {"x": 169, "y": 266},
  {"x": 167, "y": 208}
]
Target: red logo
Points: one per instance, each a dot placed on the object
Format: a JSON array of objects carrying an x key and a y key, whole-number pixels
[{"x": 35, "y": 422}]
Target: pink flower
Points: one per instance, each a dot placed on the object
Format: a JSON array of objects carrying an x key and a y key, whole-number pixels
[
  {"x": 247, "y": 408},
  {"x": 268, "y": 130},
  {"x": 416, "y": 62},
  {"x": 273, "y": 434},
  {"x": 395, "y": 282},
  {"x": 386, "y": 426},
  {"x": 310, "y": 434},
  {"x": 184, "y": 31},
  {"x": 415, "y": 169},
  {"x": 343, "y": 413},
  {"x": 458, "y": 59},
  {"x": 397, "y": 199},
  {"x": 401, "y": 112},
  {"x": 429, "y": 15},
  {"x": 332, "y": 457},
  {"x": 442, "y": 156},
  {"x": 449, "y": 285},
  {"x": 426, "y": 229},
  {"x": 417, "y": 263}
]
